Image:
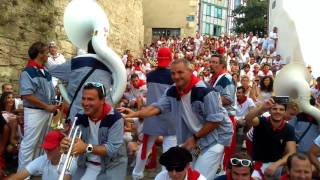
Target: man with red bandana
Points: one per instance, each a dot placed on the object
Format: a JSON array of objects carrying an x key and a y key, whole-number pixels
[
  {"x": 137, "y": 92},
  {"x": 38, "y": 94},
  {"x": 202, "y": 124},
  {"x": 101, "y": 150},
  {"x": 273, "y": 139},
  {"x": 221, "y": 80}
]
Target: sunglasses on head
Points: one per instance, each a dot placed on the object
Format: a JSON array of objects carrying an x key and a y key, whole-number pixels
[
  {"x": 97, "y": 85},
  {"x": 240, "y": 162},
  {"x": 177, "y": 169}
]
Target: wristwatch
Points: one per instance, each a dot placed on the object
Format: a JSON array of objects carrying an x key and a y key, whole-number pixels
[{"x": 89, "y": 148}]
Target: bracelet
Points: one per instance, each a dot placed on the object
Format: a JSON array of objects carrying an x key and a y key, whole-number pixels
[{"x": 195, "y": 137}]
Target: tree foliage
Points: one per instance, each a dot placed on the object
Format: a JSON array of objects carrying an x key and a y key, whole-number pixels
[{"x": 251, "y": 17}]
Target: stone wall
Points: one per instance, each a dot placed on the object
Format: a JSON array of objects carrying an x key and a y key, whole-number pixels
[{"x": 24, "y": 22}]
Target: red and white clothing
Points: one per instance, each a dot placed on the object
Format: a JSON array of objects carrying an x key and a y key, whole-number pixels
[
  {"x": 191, "y": 175},
  {"x": 55, "y": 60},
  {"x": 243, "y": 107},
  {"x": 264, "y": 73}
]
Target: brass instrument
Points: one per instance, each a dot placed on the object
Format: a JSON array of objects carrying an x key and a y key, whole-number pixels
[{"x": 68, "y": 158}]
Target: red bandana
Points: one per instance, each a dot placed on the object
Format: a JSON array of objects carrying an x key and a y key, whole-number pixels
[
  {"x": 241, "y": 101},
  {"x": 106, "y": 110},
  {"x": 193, "y": 174},
  {"x": 193, "y": 82},
  {"x": 215, "y": 77},
  {"x": 139, "y": 84},
  {"x": 137, "y": 68},
  {"x": 265, "y": 72},
  {"x": 283, "y": 123},
  {"x": 33, "y": 63},
  {"x": 255, "y": 73}
]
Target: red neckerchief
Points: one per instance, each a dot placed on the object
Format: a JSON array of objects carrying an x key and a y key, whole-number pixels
[
  {"x": 265, "y": 72},
  {"x": 308, "y": 117},
  {"x": 140, "y": 84},
  {"x": 33, "y": 63},
  {"x": 285, "y": 177},
  {"x": 257, "y": 166},
  {"x": 194, "y": 80},
  {"x": 283, "y": 123},
  {"x": 255, "y": 73},
  {"x": 215, "y": 77},
  {"x": 106, "y": 110},
  {"x": 229, "y": 177},
  {"x": 193, "y": 174},
  {"x": 241, "y": 101},
  {"x": 137, "y": 68}
]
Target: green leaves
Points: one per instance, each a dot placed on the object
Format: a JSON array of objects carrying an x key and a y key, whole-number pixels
[{"x": 251, "y": 17}]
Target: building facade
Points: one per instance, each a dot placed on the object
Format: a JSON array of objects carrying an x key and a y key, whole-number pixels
[
  {"x": 164, "y": 18},
  {"x": 213, "y": 17}
]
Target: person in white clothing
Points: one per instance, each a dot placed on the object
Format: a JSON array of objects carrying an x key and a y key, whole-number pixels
[
  {"x": 176, "y": 160},
  {"x": 273, "y": 38},
  {"x": 46, "y": 165},
  {"x": 54, "y": 58}
]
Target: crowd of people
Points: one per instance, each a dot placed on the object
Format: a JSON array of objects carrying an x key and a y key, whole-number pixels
[{"x": 208, "y": 100}]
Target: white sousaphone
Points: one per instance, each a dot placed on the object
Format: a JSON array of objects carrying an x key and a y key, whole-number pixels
[
  {"x": 298, "y": 35},
  {"x": 85, "y": 20}
]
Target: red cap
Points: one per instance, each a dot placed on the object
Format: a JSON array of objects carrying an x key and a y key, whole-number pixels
[
  {"x": 52, "y": 140},
  {"x": 164, "y": 57}
]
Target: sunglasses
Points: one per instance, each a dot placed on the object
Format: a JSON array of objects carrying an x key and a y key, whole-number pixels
[
  {"x": 240, "y": 162},
  {"x": 97, "y": 85},
  {"x": 177, "y": 169}
]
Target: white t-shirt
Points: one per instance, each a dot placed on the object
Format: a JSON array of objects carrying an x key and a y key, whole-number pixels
[
  {"x": 243, "y": 108},
  {"x": 59, "y": 59},
  {"x": 42, "y": 166},
  {"x": 261, "y": 74},
  {"x": 93, "y": 139},
  {"x": 164, "y": 175},
  {"x": 271, "y": 41},
  {"x": 278, "y": 64}
]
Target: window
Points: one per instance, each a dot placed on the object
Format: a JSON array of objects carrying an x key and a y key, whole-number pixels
[
  {"x": 217, "y": 30},
  {"x": 218, "y": 13},
  {"x": 207, "y": 28},
  {"x": 208, "y": 13},
  {"x": 159, "y": 32}
]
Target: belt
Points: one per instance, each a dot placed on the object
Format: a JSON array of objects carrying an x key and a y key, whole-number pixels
[
  {"x": 94, "y": 163},
  {"x": 33, "y": 107}
]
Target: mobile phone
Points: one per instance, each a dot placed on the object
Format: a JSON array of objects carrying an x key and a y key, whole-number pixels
[{"x": 281, "y": 99}]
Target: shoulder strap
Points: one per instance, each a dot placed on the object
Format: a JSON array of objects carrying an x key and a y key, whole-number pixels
[
  {"x": 79, "y": 87},
  {"x": 304, "y": 133}
]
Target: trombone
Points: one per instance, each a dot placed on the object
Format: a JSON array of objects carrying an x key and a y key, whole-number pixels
[{"x": 68, "y": 158}]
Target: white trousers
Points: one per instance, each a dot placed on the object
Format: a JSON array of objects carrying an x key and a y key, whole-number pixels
[
  {"x": 91, "y": 172},
  {"x": 208, "y": 163},
  {"x": 35, "y": 126},
  {"x": 168, "y": 142}
]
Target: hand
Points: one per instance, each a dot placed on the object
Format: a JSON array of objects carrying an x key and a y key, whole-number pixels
[
  {"x": 127, "y": 113},
  {"x": 79, "y": 147},
  {"x": 65, "y": 107},
  {"x": 271, "y": 170},
  {"x": 267, "y": 105},
  {"x": 190, "y": 143},
  {"x": 51, "y": 108},
  {"x": 65, "y": 144}
]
